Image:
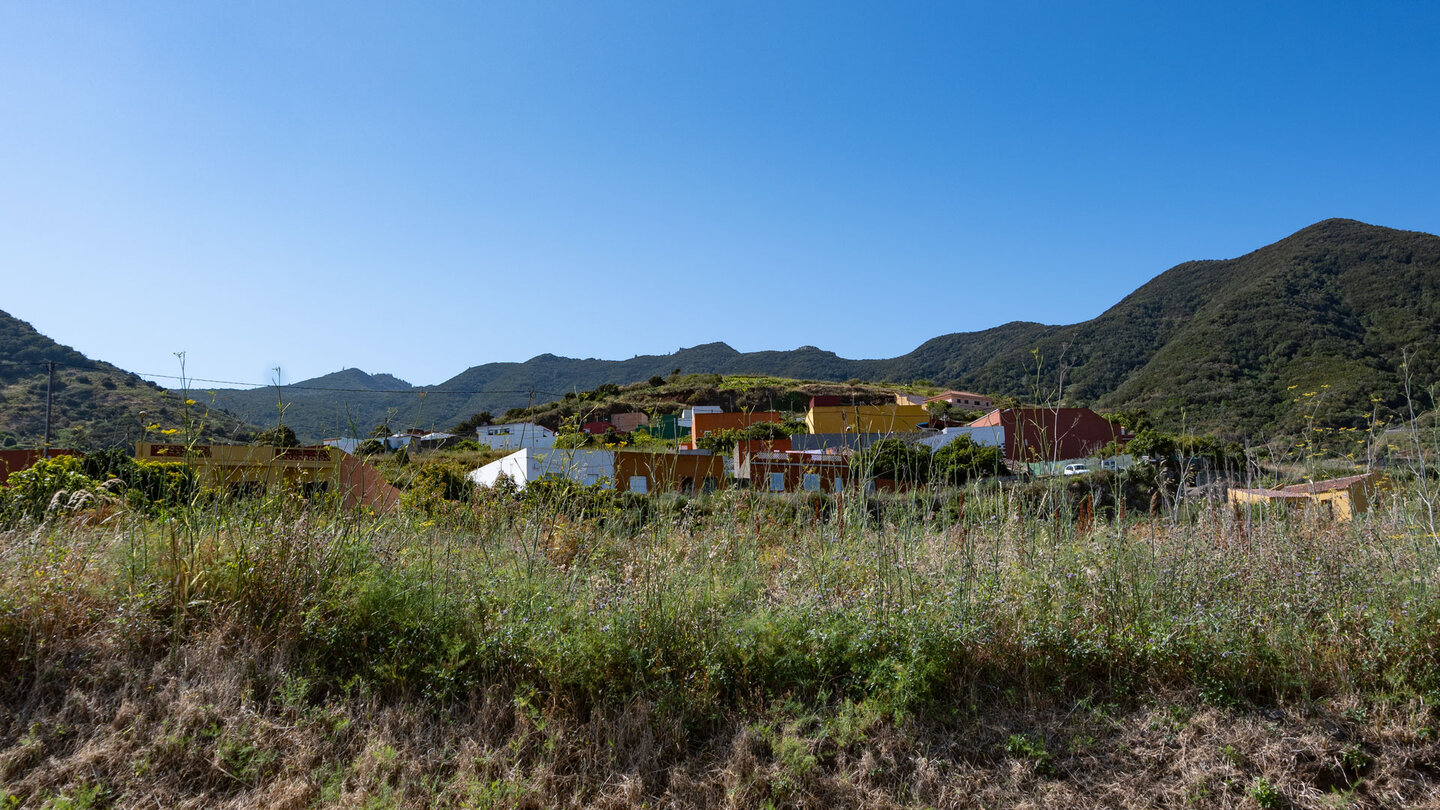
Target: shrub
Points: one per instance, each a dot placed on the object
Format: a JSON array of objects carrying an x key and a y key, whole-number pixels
[
  {"x": 963, "y": 459},
  {"x": 893, "y": 458},
  {"x": 144, "y": 484},
  {"x": 30, "y": 492}
]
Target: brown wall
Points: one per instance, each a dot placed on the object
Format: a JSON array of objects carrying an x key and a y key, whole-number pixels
[
  {"x": 794, "y": 471},
  {"x": 715, "y": 422},
  {"x": 17, "y": 460},
  {"x": 1051, "y": 434},
  {"x": 669, "y": 472},
  {"x": 363, "y": 485}
]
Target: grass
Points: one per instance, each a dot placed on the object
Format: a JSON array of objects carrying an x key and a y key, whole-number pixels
[{"x": 765, "y": 647}]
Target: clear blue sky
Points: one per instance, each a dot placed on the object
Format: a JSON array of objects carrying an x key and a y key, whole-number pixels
[{"x": 415, "y": 191}]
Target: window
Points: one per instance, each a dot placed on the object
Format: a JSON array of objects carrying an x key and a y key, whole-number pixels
[
  {"x": 811, "y": 482},
  {"x": 638, "y": 483},
  {"x": 777, "y": 482}
]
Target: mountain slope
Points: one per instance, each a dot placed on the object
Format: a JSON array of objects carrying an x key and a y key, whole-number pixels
[
  {"x": 1212, "y": 344},
  {"x": 95, "y": 404},
  {"x": 1331, "y": 310}
]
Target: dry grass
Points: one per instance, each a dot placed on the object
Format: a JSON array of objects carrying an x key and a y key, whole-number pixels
[
  {"x": 183, "y": 728},
  {"x": 733, "y": 652}
]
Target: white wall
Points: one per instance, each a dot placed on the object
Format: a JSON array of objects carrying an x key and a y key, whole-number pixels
[
  {"x": 687, "y": 416},
  {"x": 515, "y": 436},
  {"x": 347, "y": 445},
  {"x": 585, "y": 465}
]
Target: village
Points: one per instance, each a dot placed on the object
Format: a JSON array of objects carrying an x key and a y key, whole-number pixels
[
  {"x": 714, "y": 448},
  {"x": 832, "y": 447}
]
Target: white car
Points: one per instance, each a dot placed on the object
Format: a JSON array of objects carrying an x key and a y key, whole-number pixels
[{"x": 1076, "y": 469}]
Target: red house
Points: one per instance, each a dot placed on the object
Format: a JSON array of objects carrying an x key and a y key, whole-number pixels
[{"x": 1052, "y": 434}]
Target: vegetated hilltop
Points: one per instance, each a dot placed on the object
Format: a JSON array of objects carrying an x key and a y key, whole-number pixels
[
  {"x": 95, "y": 404},
  {"x": 351, "y": 402},
  {"x": 1216, "y": 344}
]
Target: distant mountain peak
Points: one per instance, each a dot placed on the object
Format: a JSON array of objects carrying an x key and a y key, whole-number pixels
[{"x": 355, "y": 378}]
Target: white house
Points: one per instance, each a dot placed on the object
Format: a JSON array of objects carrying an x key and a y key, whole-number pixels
[
  {"x": 515, "y": 436},
  {"x": 984, "y": 436},
  {"x": 687, "y": 416},
  {"x": 586, "y": 465},
  {"x": 347, "y": 445}
]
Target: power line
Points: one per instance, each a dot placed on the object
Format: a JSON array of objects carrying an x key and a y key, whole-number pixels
[{"x": 259, "y": 386}]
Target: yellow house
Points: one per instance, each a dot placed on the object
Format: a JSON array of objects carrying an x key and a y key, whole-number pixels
[
  {"x": 828, "y": 415},
  {"x": 1338, "y": 498},
  {"x": 262, "y": 468}
]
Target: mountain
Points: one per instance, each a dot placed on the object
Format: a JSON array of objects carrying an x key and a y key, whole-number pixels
[
  {"x": 1231, "y": 346},
  {"x": 94, "y": 404}
]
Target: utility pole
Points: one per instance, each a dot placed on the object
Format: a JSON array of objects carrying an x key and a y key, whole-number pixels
[{"x": 49, "y": 392}]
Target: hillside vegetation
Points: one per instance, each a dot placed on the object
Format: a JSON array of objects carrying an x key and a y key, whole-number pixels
[
  {"x": 95, "y": 404},
  {"x": 1222, "y": 345}
]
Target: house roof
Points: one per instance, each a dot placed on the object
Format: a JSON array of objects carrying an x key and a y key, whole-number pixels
[
  {"x": 953, "y": 394},
  {"x": 1303, "y": 491},
  {"x": 1328, "y": 485}
]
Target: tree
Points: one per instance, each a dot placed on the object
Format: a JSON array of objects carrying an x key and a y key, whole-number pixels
[
  {"x": 895, "y": 459},
  {"x": 767, "y": 430},
  {"x": 477, "y": 420},
  {"x": 963, "y": 459},
  {"x": 719, "y": 442},
  {"x": 1151, "y": 443},
  {"x": 278, "y": 436}
]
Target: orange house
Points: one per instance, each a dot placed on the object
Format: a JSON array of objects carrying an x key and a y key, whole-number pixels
[
  {"x": 746, "y": 448},
  {"x": 706, "y": 424},
  {"x": 689, "y": 473},
  {"x": 794, "y": 472}
]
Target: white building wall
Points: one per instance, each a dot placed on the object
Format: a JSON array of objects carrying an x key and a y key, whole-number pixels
[
  {"x": 347, "y": 445},
  {"x": 585, "y": 465},
  {"x": 687, "y": 416},
  {"x": 515, "y": 436}
]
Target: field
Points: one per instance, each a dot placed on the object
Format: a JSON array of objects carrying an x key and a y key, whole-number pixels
[{"x": 572, "y": 648}]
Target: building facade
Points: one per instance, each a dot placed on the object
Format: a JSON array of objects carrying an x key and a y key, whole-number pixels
[
  {"x": 1052, "y": 434},
  {"x": 515, "y": 435},
  {"x": 829, "y": 415}
]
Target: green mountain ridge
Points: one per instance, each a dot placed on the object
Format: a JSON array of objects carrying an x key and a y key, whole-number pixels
[
  {"x": 1309, "y": 331},
  {"x": 1211, "y": 345}
]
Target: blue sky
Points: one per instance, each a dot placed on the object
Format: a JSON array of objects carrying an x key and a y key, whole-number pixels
[{"x": 418, "y": 190}]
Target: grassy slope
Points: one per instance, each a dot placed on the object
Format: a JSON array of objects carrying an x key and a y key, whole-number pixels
[
  {"x": 95, "y": 404},
  {"x": 728, "y": 650}
]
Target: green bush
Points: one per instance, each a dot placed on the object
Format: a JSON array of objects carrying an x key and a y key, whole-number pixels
[
  {"x": 146, "y": 484},
  {"x": 963, "y": 459},
  {"x": 29, "y": 492},
  {"x": 895, "y": 459}
]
